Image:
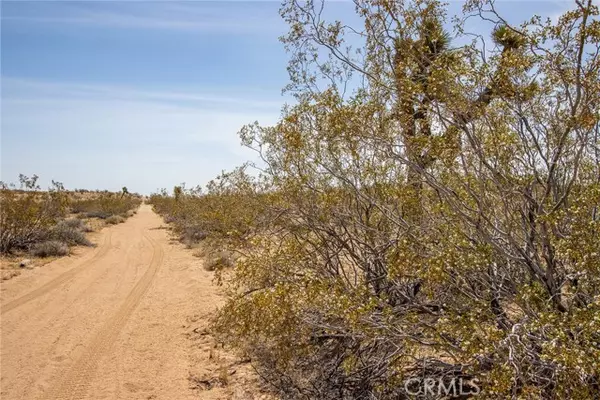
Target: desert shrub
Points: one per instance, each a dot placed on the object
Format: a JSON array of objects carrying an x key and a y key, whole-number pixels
[
  {"x": 219, "y": 260},
  {"x": 74, "y": 223},
  {"x": 51, "y": 248},
  {"x": 71, "y": 232},
  {"x": 30, "y": 215},
  {"x": 98, "y": 214},
  {"x": 115, "y": 219},
  {"x": 26, "y": 216},
  {"x": 192, "y": 234},
  {"x": 169, "y": 219},
  {"x": 78, "y": 207},
  {"x": 230, "y": 210},
  {"x": 439, "y": 222},
  {"x": 105, "y": 205}
]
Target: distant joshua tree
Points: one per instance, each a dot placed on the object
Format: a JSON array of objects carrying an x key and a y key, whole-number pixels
[
  {"x": 29, "y": 183},
  {"x": 177, "y": 192}
]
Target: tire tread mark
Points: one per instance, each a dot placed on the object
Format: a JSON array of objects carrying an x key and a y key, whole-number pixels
[
  {"x": 59, "y": 280},
  {"x": 76, "y": 381}
]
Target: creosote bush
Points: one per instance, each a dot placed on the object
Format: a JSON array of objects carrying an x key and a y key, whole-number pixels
[
  {"x": 30, "y": 216},
  {"x": 221, "y": 218},
  {"x": 27, "y": 215},
  {"x": 428, "y": 209},
  {"x": 105, "y": 205}
]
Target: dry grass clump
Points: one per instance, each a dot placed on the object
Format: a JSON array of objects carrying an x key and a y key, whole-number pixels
[
  {"x": 192, "y": 234},
  {"x": 199, "y": 253},
  {"x": 76, "y": 223},
  {"x": 115, "y": 219},
  {"x": 50, "y": 248},
  {"x": 219, "y": 260},
  {"x": 97, "y": 214},
  {"x": 9, "y": 274}
]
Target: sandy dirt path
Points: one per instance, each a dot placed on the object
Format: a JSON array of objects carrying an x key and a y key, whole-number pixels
[{"x": 113, "y": 322}]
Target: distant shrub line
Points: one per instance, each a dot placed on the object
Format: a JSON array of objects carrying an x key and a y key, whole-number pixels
[{"x": 35, "y": 221}]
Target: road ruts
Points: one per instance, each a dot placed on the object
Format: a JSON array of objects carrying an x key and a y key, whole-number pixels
[
  {"x": 59, "y": 280},
  {"x": 75, "y": 382}
]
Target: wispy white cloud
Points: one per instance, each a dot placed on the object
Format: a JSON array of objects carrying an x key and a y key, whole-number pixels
[
  {"x": 245, "y": 98},
  {"x": 99, "y": 136},
  {"x": 189, "y": 16}
]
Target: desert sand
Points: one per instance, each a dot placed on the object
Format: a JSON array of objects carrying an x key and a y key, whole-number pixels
[{"x": 124, "y": 320}]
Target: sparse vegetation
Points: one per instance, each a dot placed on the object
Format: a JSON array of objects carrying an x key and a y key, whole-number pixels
[
  {"x": 115, "y": 219},
  {"x": 28, "y": 215},
  {"x": 218, "y": 260},
  {"x": 105, "y": 205},
  {"x": 220, "y": 218},
  {"x": 35, "y": 221},
  {"x": 70, "y": 231},
  {"x": 440, "y": 221},
  {"x": 75, "y": 223},
  {"x": 50, "y": 248}
]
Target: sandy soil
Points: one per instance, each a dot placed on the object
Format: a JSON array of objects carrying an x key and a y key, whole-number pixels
[{"x": 124, "y": 320}]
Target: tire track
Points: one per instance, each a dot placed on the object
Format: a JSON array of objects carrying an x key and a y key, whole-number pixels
[
  {"x": 59, "y": 280},
  {"x": 75, "y": 382},
  {"x": 49, "y": 324}
]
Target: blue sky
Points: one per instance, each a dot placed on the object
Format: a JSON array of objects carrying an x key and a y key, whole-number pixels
[{"x": 143, "y": 94}]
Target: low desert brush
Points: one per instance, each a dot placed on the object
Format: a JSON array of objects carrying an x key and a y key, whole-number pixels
[
  {"x": 26, "y": 216},
  {"x": 426, "y": 213},
  {"x": 51, "y": 248},
  {"x": 70, "y": 232},
  {"x": 218, "y": 260},
  {"x": 115, "y": 219}
]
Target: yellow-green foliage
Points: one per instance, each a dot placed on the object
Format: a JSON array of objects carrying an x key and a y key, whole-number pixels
[
  {"x": 26, "y": 216},
  {"x": 30, "y": 215},
  {"x": 229, "y": 210},
  {"x": 115, "y": 219},
  {"x": 104, "y": 205},
  {"x": 440, "y": 221}
]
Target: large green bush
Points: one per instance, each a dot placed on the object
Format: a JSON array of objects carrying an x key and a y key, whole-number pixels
[{"x": 428, "y": 210}]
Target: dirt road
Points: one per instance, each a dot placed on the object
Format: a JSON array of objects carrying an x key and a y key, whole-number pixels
[{"x": 111, "y": 322}]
